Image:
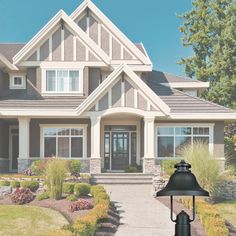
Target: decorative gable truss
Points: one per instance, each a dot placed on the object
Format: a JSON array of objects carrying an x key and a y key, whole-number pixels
[
  {"x": 108, "y": 37},
  {"x": 123, "y": 89},
  {"x": 61, "y": 40}
]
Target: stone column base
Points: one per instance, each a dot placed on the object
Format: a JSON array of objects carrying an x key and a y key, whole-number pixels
[
  {"x": 95, "y": 166},
  {"x": 23, "y": 164},
  {"x": 148, "y": 165}
]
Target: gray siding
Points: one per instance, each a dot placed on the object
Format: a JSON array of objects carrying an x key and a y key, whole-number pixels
[
  {"x": 80, "y": 51},
  {"x": 4, "y": 139},
  {"x": 56, "y": 45},
  {"x": 68, "y": 45},
  {"x": 105, "y": 41},
  {"x": 44, "y": 51},
  {"x": 219, "y": 139},
  {"x": 93, "y": 29},
  {"x": 129, "y": 94},
  {"x": 35, "y": 133},
  {"x": 142, "y": 102},
  {"x": 103, "y": 103},
  {"x": 116, "y": 94},
  {"x": 116, "y": 50},
  {"x": 94, "y": 78}
]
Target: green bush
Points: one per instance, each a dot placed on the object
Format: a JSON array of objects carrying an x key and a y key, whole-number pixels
[
  {"x": 32, "y": 185},
  {"x": 169, "y": 166},
  {"x": 204, "y": 165},
  {"x": 74, "y": 167},
  {"x": 82, "y": 189},
  {"x": 43, "y": 196},
  {"x": 55, "y": 176},
  {"x": 71, "y": 198},
  {"x": 39, "y": 167},
  {"x": 230, "y": 153},
  {"x": 15, "y": 184},
  {"x": 68, "y": 188},
  {"x": 4, "y": 183}
]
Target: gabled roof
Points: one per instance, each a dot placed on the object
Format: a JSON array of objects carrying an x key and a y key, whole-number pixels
[
  {"x": 6, "y": 63},
  {"x": 87, "y": 4},
  {"x": 61, "y": 15},
  {"x": 95, "y": 95},
  {"x": 9, "y": 50}
]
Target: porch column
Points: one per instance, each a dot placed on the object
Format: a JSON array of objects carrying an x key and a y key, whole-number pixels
[
  {"x": 23, "y": 159},
  {"x": 95, "y": 162},
  {"x": 148, "y": 160}
]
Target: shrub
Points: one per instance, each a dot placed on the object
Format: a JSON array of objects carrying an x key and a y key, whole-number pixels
[
  {"x": 96, "y": 189},
  {"x": 71, "y": 198},
  {"x": 204, "y": 165},
  {"x": 68, "y": 188},
  {"x": 82, "y": 189},
  {"x": 32, "y": 185},
  {"x": 168, "y": 166},
  {"x": 55, "y": 176},
  {"x": 39, "y": 167},
  {"x": 15, "y": 184},
  {"x": 81, "y": 204},
  {"x": 74, "y": 167},
  {"x": 43, "y": 196},
  {"x": 4, "y": 183},
  {"x": 22, "y": 196},
  {"x": 230, "y": 153}
]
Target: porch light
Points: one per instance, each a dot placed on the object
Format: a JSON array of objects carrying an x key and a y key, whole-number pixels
[{"x": 182, "y": 183}]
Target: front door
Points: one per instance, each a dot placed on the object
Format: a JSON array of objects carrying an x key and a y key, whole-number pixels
[
  {"x": 120, "y": 150},
  {"x": 14, "y": 149}
]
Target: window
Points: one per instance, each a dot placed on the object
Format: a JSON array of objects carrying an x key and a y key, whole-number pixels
[
  {"x": 170, "y": 140},
  {"x": 63, "y": 81},
  {"x": 17, "y": 82},
  {"x": 64, "y": 142}
]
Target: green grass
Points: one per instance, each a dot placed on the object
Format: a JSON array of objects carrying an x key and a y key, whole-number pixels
[
  {"x": 228, "y": 210},
  {"x": 28, "y": 220}
]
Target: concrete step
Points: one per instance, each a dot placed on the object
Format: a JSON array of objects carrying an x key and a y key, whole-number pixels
[{"x": 122, "y": 178}]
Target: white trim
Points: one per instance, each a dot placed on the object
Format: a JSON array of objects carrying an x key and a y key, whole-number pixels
[
  {"x": 7, "y": 63},
  {"x": 95, "y": 136},
  {"x": 12, "y": 85},
  {"x": 157, "y": 102},
  {"x": 194, "y": 84},
  {"x": 61, "y": 15},
  {"x": 11, "y": 127},
  {"x": 110, "y": 45},
  {"x": 112, "y": 28},
  {"x": 50, "y": 48},
  {"x": 121, "y": 51},
  {"x": 203, "y": 116},
  {"x": 96, "y": 106},
  {"x": 62, "y": 44},
  {"x": 38, "y": 54},
  {"x": 135, "y": 98},
  {"x": 82, "y": 126},
  {"x": 74, "y": 48},
  {"x": 68, "y": 64},
  {"x": 122, "y": 93},
  {"x": 110, "y": 98},
  {"x": 99, "y": 34},
  {"x": 191, "y": 125},
  {"x": 87, "y": 24},
  {"x": 86, "y": 54}
]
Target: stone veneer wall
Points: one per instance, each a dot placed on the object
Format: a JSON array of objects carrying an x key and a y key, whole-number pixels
[{"x": 226, "y": 189}]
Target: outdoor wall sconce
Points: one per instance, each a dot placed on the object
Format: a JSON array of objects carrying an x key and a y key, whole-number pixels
[{"x": 182, "y": 183}]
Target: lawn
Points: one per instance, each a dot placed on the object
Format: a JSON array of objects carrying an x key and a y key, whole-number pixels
[
  {"x": 28, "y": 220},
  {"x": 228, "y": 210}
]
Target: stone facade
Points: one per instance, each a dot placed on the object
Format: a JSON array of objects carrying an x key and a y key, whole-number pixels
[
  {"x": 95, "y": 165},
  {"x": 85, "y": 166},
  {"x": 148, "y": 165},
  {"x": 226, "y": 189}
]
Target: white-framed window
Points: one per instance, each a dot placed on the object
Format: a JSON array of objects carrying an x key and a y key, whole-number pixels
[
  {"x": 62, "y": 81},
  {"x": 171, "y": 138},
  {"x": 64, "y": 141},
  {"x": 17, "y": 81}
]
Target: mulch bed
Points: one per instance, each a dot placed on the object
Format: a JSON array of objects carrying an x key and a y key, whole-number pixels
[
  {"x": 106, "y": 227},
  {"x": 196, "y": 226}
]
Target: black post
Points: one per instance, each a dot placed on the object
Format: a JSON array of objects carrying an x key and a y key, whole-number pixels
[{"x": 182, "y": 226}]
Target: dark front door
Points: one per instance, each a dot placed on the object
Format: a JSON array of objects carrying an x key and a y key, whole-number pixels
[
  {"x": 120, "y": 150},
  {"x": 15, "y": 151}
]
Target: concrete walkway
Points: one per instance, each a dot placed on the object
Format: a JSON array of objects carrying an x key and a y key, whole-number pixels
[{"x": 141, "y": 214}]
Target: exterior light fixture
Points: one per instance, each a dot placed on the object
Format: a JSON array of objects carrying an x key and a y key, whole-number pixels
[{"x": 182, "y": 183}]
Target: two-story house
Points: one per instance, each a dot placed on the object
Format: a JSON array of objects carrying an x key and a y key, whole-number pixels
[{"x": 80, "y": 89}]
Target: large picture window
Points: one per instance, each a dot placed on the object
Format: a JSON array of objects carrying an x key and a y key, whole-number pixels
[
  {"x": 63, "y": 81},
  {"x": 64, "y": 142},
  {"x": 171, "y": 139}
]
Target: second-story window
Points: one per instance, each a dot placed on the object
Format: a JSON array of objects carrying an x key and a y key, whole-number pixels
[{"x": 63, "y": 81}]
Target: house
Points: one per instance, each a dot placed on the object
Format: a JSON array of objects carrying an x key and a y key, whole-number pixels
[{"x": 80, "y": 89}]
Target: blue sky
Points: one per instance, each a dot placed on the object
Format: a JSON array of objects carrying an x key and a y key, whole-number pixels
[{"x": 152, "y": 22}]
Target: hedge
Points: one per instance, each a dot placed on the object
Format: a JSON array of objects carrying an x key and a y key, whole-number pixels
[{"x": 212, "y": 222}]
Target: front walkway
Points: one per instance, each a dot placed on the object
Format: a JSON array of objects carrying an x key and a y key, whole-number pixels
[{"x": 141, "y": 214}]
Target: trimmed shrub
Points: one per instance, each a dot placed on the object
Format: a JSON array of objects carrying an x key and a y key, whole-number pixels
[
  {"x": 168, "y": 166},
  {"x": 22, "y": 196},
  {"x": 82, "y": 189},
  {"x": 15, "y": 184},
  {"x": 43, "y": 196},
  {"x": 4, "y": 183},
  {"x": 201, "y": 160},
  {"x": 71, "y": 198},
  {"x": 74, "y": 167},
  {"x": 39, "y": 167},
  {"x": 55, "y": 176},
  {"x": 32, "y": 185}
]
